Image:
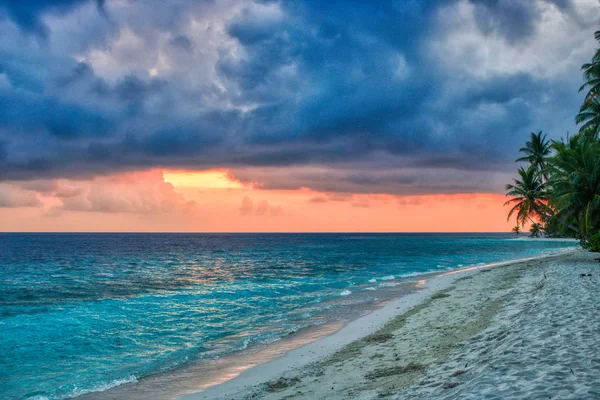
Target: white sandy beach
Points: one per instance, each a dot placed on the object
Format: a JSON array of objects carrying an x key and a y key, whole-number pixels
[{"x": 522, "y": 330}]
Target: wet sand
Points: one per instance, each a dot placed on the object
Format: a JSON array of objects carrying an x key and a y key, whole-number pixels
[
  {"x": 201, "y": 374},
  {"x": 521, "y": 330}
]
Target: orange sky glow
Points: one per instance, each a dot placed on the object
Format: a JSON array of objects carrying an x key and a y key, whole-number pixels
[{"x": 213, "y": 201}]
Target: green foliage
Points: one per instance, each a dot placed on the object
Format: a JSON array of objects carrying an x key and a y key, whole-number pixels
[
  {"x": 589, "y": 112},
  {"x": 576, "y": 182},
  {"x": 594, "y": 242},
  {"x": 589, "y": 116},
  {"x": 535, "y": 230},
  {"x": 536, "y": 150},
  {"x": 517, "y": 230},
  {"x": 559, "y": 193},
  {"x": 528, "y": 196}
]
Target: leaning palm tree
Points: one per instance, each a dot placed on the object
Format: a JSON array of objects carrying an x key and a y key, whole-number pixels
[
  {"x": 575, "y": 170},
  {"x": 517, "y": 230},
  {"x": 536, "y": 150},
  {"x": 529, "y": 197},
  {"x": 589, "y": 117}
]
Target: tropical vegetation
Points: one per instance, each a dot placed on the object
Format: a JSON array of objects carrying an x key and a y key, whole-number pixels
[{"x": 558, "y": 193}]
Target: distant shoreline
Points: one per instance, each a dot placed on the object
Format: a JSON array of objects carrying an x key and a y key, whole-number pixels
[{"x": 546, "y": 239}]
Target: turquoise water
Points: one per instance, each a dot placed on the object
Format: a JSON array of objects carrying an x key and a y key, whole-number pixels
[{"x": 85, "y": 312}]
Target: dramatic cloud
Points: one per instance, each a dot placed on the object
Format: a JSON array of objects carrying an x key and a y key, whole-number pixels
[
  {"x": 137, "y": 193},
  {"x": 142, "y": 193},
  {"x": 376, "y": 177},
  {"x": 407, "y": 97},
  {"x": 12, "y": 196}
]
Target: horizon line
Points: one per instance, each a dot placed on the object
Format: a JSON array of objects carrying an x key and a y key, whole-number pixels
[{"x": 251, "y": 232}]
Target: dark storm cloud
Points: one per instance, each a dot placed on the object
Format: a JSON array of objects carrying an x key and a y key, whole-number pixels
[
  {"x": 514, "y": 19},
  {"x": 48, "y": 116},
  {"x": 3, "y": 152},
  {"x": 367, "y": 92},
  {"x": 182, "y": 41}
]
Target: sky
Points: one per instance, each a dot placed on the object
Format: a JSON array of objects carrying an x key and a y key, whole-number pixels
[{"x": 248, "y": 115}]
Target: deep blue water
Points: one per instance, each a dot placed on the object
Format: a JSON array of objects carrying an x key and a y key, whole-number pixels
[{"x": 83, "y": 312}]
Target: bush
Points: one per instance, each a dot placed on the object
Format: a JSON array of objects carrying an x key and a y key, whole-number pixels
[{"x": 594, "y": 243}]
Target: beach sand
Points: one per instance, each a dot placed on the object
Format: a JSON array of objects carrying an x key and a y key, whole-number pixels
[{"x": 522, "y": 330}]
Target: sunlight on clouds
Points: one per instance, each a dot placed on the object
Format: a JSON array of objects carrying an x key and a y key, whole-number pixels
[{"x": 201, "y": 179}]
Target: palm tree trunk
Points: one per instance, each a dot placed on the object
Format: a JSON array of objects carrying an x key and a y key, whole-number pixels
[{"x": 580, "y": 232}]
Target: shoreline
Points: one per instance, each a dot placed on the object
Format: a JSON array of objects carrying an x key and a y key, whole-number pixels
[
  {"x": 206, "y": 379},
  {"x": 285, "y": 368},
  {"x": 182, "y": 381},
  {"x": 231, "y": 371}
]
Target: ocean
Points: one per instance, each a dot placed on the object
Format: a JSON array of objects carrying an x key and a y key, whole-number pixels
[{"x": 82, "y": 313}]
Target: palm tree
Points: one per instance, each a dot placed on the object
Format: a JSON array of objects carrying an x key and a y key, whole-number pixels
[
  {"x": 529, "y": 196},
  {"x": 591, "y": 74},
  {"x": 589, "y": 116},
  {"x": 589, "y": 112},
  {"x": 560, "y": 192},
  {"x": 575, "y": 170},
  {"x": 535, "y": 230},
  {"x": 590, "y": 133},
  {"x": 517, "y": 230},
  {"x": 536, "y": 150}
]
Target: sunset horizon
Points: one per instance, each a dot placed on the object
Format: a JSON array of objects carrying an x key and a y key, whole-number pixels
[
  {"x": 244, "y": 209},
  {"x": 278, "y": 116},
  {"x": 217, "y": 203}
]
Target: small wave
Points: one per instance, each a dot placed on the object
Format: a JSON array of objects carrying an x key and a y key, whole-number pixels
[
  {"x": 101, "y": 387},
  {"x": 245, "y": 344},
  {"x": 389, "y": 284},
  {"x": 370, "y": 288},
  {"x": 372, "y": 280},
  {"x": 270, "y": 340},
  {"x": 388, "y": 278},
  {"x": 345, "y": 293},
  {"x": 416, "y": 273},
  {"x": 261, "y": 339}
]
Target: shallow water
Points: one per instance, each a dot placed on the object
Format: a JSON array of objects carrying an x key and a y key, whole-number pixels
[{"x": 81, "y": 313}]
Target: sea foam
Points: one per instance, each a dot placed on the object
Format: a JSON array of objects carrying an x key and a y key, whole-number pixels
[{"x": 103, "y": 386}]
